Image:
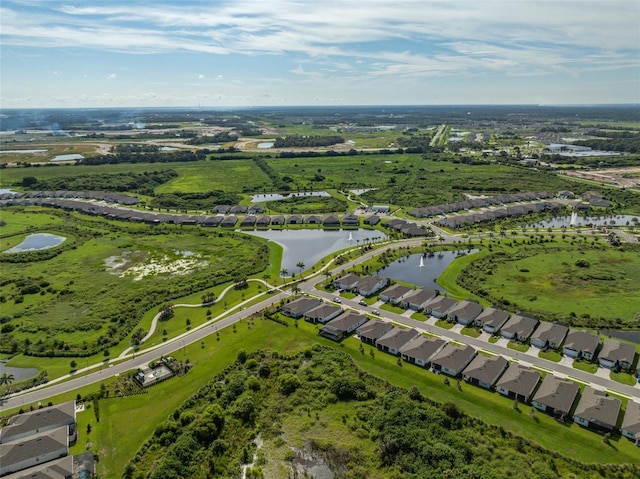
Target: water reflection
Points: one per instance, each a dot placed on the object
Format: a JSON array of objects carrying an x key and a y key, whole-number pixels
[
  {"x": 36, "y": 242},
  {"x": 310, "y": 246}
]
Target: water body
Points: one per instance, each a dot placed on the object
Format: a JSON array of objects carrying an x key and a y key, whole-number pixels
[
  {"x": 22, "y": 151},
  {"x": 265, "y": 144},
  {"x": 36, "y": 242},
  {"x": 620, "y": 220},
  {"x": 408, "y": 269},
  {"x": 310, "y": 246},
  {"x": 6, "y": 191},
  {"x": 168, "y": 148},
  {"x": 633, "y": 336},
  {"x": 277, "y": 196},
  {"x": 18, "y": 373},
  {"x": 71, "y": 156}
]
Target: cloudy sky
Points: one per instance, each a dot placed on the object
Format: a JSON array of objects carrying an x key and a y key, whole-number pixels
[{"x": 102, "y": 53}]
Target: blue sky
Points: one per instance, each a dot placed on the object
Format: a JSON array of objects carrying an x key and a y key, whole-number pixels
[{"x": 222, "y": 53}]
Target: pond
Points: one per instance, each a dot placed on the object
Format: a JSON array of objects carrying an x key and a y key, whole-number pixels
[
  {"x": 633, "y": 336},
  {"x": 18, "y": 373},
  {"x": 575, "y": 220},
  {"x": 69, "y": 157},
  {"x": 277, "y": 196},
  {"x": 22, "y": 151},
  {"x": 37, "y": 242},
  {"x": 421, "y": 270},
  {"x": 265, "y": 145},
  {"x": 310, "y": 246}
]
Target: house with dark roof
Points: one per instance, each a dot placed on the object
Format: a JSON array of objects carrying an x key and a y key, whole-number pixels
[
  {"x": 417, "y": 299},
  {"x": 331, "y": 221},
  {"x": 518, "y": 382},
  {"x": 381, "y": 209},
  {"x": 597, "y": 411},
  {"x": 615, "y": 354},
  {"x": 221, "y": 209},
  {"x": 555, "y": 396},
  {"x": 255, "y": 209},
  {"x": 549, "y": 335},
  {"x": 339, "y": 328},
  {"x": 297, "y": 307},
  {"x": 41, "y": 420},
  {"x": 229, "y": 221},
  {"x": 439, "y": 306},
  {"x": 350, "y": 220},
  {"x": 396, "y": 339},
  {"x": 33, "y": 450},
  {"x": 238, "y": 209},
  {"x": 313, "y": 220},
  {"x": 372, "y": 220},
  {"x": 293, "y": 220},
  {"x": 323, "y": 313},
  {"x": 484, "y": 370},
  {"x": 62, "y": 468},
  {"x": 394, "y": 293},
  {"x": 581, "y": 344},
  {"x": 452, "y": 359},
  {"x": 263, "y": 221},
  {"x": 519, "y": 327},
  {"x": 369, "y": 285},
  {"x": 348, "y": 282},
  {"x": 631, "y": 422},
  {"x": 465, "y": 312},
  {"x": 372, "y": 330},
  {"x": 248, "y": 221},
  {"x": 421, "y": 350},
  {"x": 491, "y": 319},
  {"x": 277, "y": 220}
]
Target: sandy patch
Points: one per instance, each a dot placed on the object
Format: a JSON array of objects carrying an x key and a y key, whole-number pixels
[{"x": 140, "y": 264}]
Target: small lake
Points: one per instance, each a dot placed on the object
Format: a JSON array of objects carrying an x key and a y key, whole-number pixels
[
  {"x": 408, "y": 269},
  {"x": 265, "y": 144},
  {"x": 6, "y": 191},
  {"x": 69, "y": 157},
  {"x": 310, "y": 246},
  {"x": 18, "y": 373},
  {"x": 168, "y": 148},
  {"x": 620, "y": 220},
  {"x": 22, "y": 151},
  {"x": 633, "y": 336},
  {"x": 277, "y": 196},
  {"x": 37, "y": 242}
]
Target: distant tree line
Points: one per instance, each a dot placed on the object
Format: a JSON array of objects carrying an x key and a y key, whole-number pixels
[
  {"x": 146, "y": 157},
  {"x": 301, "y": 141},
  {"x": 624, "y": 144},
  {"x": 194, "y": 201}
]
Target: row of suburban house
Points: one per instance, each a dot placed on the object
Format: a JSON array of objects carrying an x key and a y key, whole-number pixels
[
  {"x": 459, "y": 221},
  {"x": 611, "y": 354},
  {"x": 556, "y": 396},
  {"x": 225, "y": 221},
  {"x": 36, "y": 444},
  {"x": 109, "y": 196}
]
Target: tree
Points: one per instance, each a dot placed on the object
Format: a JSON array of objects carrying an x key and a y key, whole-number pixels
[
  {"x": 73, "y": 364},
  {"x": 296, "y": 289},
  {"x": 7, "y": 379},
  {"x": 300, "y": 266},
  {"x": 284, "y": 272},
  {"x": 166, "y": 312}
]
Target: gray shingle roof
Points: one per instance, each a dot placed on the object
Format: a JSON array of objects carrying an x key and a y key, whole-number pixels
[
  {"x": 617, "y": 351},
  {"x": 631, "y": 420},
  {"x": 486, "y": 369},
  {"x": 596, "y": 407},
  {"x": 519, "y": 379},
  {"x": 521, "y": 325},
  {"x": 453, "y": 356},
  {"x": 423, "y": 348},
  {"x": 582, "y": 341},
  {"x": 39, "y": 419},
  {"x": 34, "y": 446},
  {"x": 554, "y": 333},
  {"x": 494, "y": 317},
  {"x": 397, "y": 338},
  {"x": 557, "y": 393}
]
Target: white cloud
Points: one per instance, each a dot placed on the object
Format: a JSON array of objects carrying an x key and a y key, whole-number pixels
[
  {"x": 112, "y": 76},
  {"x": 201, "y": 77}
]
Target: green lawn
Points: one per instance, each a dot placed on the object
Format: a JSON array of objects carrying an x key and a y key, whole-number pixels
[
  {"x": 550, "y": 355},
  {"x": 516, "y": 346},
  {"x": 585, "y": 366},
  {"x": 473, "y": 332},
  {"x": 392, "y": 309},
  {"x": 624, "y": 378},
  {"x": 443, "y": 323}
]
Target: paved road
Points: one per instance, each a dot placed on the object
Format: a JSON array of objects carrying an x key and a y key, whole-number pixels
[{"x": 40, "y": 394}]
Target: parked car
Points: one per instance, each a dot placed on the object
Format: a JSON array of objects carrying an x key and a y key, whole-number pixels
[
  {"x": 362, "y": 302},
  {"x": 337, "y": 300},
  {"x": 376, "y": 312}
]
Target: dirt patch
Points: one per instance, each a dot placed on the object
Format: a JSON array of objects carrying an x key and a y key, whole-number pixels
[{"x": 141, "y": 264}]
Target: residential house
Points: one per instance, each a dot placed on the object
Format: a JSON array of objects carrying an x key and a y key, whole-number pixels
[
  {"x": 452, "y": 359},
  {"x": 491, "y": 319},
  {"x": 369, "y": 285},
  {"x": 221, "y": 209},
  {"x": 417, "y": 299},
  {"x": 555, "y": 396},
  {"x": 484, "y": 370},
  {"x": 394, "y": 294},
  {"x": 549, "y": 335},
  {"x": 581, "y": 344},
  {"x": 238, "y": 209},
  {"x": 293, "y": 220},
  {"x": 339, "y": 328},
  {"x": 597, "y": 411},
  {"x": 381, "y": 209},
  {"x": 615, "y": 354},
  {"x": 263, "y": 221},
  {"x": 62, "y": 468},
  {"x": 519, "y": 327},
  {"x": 33, "y": 450},
  {"x": 323, "y": 313},
  {"x": 350, "y": 220},
  {"x": 255, "y": 209},
  {"x": 348, "y": 282},
  {"x": 297, "y": 307},
  {"x": 518, "y": 382},
  {"x": 277, "y": 220},
  {"x": 331, "y": 221},
  {"x": 396, "y": 339},
  {"x": 313, "y": 220},
  {"x": 248, "y": 221},
  {"x": 421, "y": 350},
  {"x": 465, "y": 312},
  {"x": 631, "y": 422},
  {"x": 372, "y": 220},
  {"x": 211, "y": 221},
  {"x": 229, "y": 221},
  {"x": 372, "y": 330},
  {"x": 41, "y": 420},
  {"x": 439, "y": 306}
]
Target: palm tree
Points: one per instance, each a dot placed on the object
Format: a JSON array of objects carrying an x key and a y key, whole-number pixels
[
  {"x": 295, "y": 289},
  {"x": 284, "y": 272},
  {"x": 300, "y": 266},
  {"x": 7, "y": 379}
]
